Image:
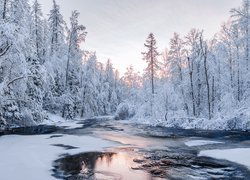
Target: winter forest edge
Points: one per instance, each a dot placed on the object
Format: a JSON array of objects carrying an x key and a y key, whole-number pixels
[{"x": 196, "y": 83}]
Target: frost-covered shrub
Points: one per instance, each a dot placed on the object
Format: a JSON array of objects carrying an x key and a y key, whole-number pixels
[
  {"x": 232, "y": 123},
  {"x": 3, "y": 122},
  {"x": 27, "y": 118},
  {"x": 124, "y": 111},
  {"x": 38, "y": 116},
  {"x": 68, "y": 111},
  {"x": 238, "y": 123},
  {"x": 11, "y": 112}
]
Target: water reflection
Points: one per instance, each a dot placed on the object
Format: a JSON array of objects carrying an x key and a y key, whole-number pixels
[
  {"x": 118, "y": 166},
  {"x": 101, "y": 166},
  {"x": 141, "y": 142}
]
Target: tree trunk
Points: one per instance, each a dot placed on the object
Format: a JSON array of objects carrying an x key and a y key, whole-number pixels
[
  {"x": 37, "y": 43},
  {"x": 207, "y": 83},
  {"x": 4, "y": 8},
  {"x": 191, "y": 84},
  {"x": 199, "y": 90},
  {"x": 152, "y": 70},
  {"x": 238, "y": 76},
  {"x": 83, "y": 100},
  {"x": 247, "y": 45},
  {"x": 231, "y": 66},
  {"x": 204, "y": 53},
  {"x": 67, "y": 67},
  {"x": 213, "y": 95}
]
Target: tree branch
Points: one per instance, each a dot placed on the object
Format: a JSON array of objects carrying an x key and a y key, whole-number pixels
[
  {"x": 18, "y": 78},
  {"x": 4, "y": 50}
]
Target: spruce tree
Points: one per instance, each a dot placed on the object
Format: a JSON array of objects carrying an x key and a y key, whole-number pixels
[{"x": 150, "y": 56}]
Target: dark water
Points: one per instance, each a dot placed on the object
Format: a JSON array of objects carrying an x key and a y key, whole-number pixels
[
  {"x": 100, "y": 165},
  {"x": 144, "y": 152},
  {"x": 34, "y": 130}
]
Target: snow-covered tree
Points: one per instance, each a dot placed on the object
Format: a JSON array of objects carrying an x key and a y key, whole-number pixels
[
  {"x": 150, "y": 56},
  {"x": 89, "y": 88},
  {"x": 5, "y": 8},
  {"x": 37, "y": 30},
  {"x": 178, "y": 64},
  {"x": 131, "y": 78},
  {"x": 57, "y": 28},
  {"x": 77, "y": 35},
  {"x": 15, "y": 51}
]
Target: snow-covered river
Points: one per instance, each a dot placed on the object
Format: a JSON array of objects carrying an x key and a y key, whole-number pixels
[{"x": 107, "y": 149}]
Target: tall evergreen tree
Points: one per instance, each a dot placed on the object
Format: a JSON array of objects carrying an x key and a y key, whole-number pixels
[
  {"x": 57, "y": 27},
  {"x": 150, "y": 56},
  {"x": 37, "y": 30},
  {"x": 77, "y": 35}
]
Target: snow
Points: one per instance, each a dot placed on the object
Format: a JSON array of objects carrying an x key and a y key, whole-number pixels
[
  {"x": 1, "y": 87},
  {"x": 70, "y": 124},
  {"x": 192, "y": 143},
  {"x": 31, "y": 157},
  {"x": 61, "y": 122},
  {"x": 104, "y": 117},
  {"x": 238, "y": 155},
  {"x": 239, "y": 121},
  {"x": 53, "y": 118}
]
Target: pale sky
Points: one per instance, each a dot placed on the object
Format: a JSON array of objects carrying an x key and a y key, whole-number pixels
[{"x": 117, "y": 29}]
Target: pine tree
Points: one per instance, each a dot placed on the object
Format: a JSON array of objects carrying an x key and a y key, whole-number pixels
[
  {"x": 57, "y": 27},
  {"x": 5, "y": 8},
  {"x": 77, "y": 35},
  {"x": 111, "y": 85},
  {"x": 37, "y": 30},
  {"x": 89, "y": 89},
  {"x": 35, "y": 89},
  {"x": 15, "y": 38},
  {"x": 151, "y": 59}
]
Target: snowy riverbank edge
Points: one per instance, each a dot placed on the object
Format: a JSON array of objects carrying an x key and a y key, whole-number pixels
[
  {"x": 238, "y": 122},
  {"x": 234, "y": 124},
  {"x": 238, "y": 155},
  {"x": 57, "y": 120}
]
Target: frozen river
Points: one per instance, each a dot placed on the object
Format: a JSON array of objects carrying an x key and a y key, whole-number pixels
[{"x": 107, "y": 149}]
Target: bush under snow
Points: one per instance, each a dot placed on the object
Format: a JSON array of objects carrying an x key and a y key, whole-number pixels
[
  {"x": 124, "y": 111},
  {"x": 238, "y": 121}
]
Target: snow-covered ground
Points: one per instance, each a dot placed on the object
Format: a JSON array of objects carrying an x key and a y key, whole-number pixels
[
  {"x": 59, "y": 121},
  {"x": 31, "y": 157},
  {"x": 239, "y": 120},
  {"x": 238, "y": 155},
  {"x": 104, "y": 117},
  {"x": 193, "y": 143}
]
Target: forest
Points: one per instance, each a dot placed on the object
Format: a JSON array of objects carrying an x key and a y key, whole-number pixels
[{"x": 194, "y": 83}]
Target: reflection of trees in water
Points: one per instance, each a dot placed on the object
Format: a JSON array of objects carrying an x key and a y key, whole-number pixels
[
  {"x": 107, "y": 158},
  {"x": 83, "y": 163}
]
